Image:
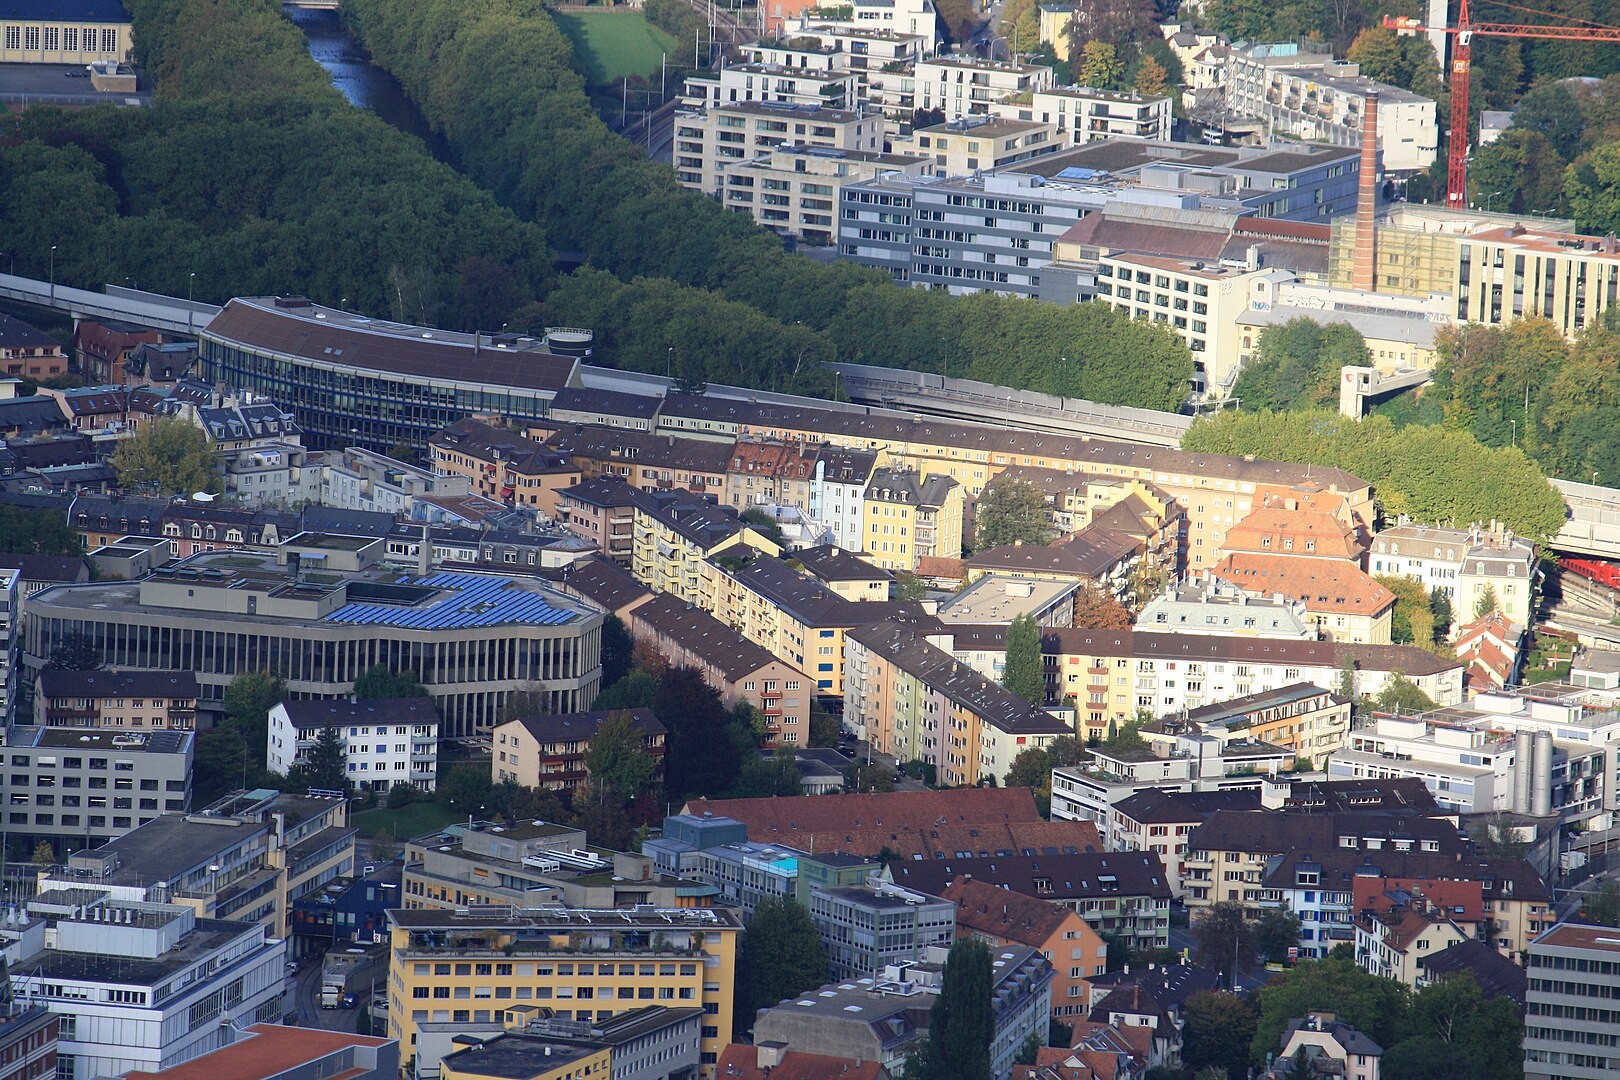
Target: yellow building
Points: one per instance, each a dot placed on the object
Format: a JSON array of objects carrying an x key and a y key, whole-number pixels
[
  {"x": 1055, "y": 18},
  {"x": 675, "y": 531},
  {"x": 78, "y": 32},
  {"x": 978, "y": 143},
  {"x": 909, "y": 516},
  {"x": 472, "y": 967}
]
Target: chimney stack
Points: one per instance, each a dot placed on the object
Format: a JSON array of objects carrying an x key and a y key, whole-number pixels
[{"x": 1364, "y": 260}]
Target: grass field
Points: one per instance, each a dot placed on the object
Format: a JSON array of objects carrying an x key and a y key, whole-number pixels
[
  {"x": 412, "y": 820},
  {"x": 610, "y": 45}
]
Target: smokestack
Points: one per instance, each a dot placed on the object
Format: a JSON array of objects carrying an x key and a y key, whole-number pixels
[
  {"x": 1364, "y": 260},
  {"x": 424, "y": 556}
]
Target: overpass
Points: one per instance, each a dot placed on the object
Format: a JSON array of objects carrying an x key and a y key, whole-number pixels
[
  {"x": 167, "y": 313},
  {"x": 1593, "y": 525},
  {"x": 986, "y": 403}
]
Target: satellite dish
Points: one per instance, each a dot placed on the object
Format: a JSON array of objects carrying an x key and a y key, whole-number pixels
[{"x": 202, "y": 497}]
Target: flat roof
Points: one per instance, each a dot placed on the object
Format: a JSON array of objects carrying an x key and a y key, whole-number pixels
[
  {"x": 207, "y": 936},
  {"x": 105, "y": 740},
  {"x": 166, "y": 847},
  {"x": 1580, "y": 936},
  {"x": 514, "y": 1056},
  {"x": 562, "y": 918},
  {"x": 268, "y": 1050}
]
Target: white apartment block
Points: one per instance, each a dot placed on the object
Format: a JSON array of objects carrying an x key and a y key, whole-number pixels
[
  {"x": 975, "y": 144},
  {"x": 385, "y": 741},
  {"x": 881, "y": 58},
  {"x": 819, "y": 87},
  {"x": 964, "y": 86},
  {"x": 1314, "y": 98},
  {"x": 708, "y": 141},
  {"x": 360, "y": 479},
  {"x": 1083, "y": 114},
  {"x": 795, "y": 190},
  {"x": 911, "y": 17},
  {"x": 144, "y": 986},
  {"x": 1466, "y": 564}
]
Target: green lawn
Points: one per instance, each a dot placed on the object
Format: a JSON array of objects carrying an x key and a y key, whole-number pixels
[
  {"x": 609, "y": 45},
  {"x": 413, "y": 820}
]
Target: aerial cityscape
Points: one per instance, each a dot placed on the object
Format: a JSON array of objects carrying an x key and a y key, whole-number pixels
[{"x": 809, "y": 540}]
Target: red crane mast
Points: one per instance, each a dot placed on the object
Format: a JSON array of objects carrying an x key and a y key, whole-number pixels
[{"x": 1461, "y": 63}]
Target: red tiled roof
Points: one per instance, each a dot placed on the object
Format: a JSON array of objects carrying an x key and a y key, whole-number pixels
[
  {"x": 1321, "y": 585},
  {"x": 272, "y": 1050},
  {"x": 1005, "y": 914},
  {"x": 739, "y": 1062}
]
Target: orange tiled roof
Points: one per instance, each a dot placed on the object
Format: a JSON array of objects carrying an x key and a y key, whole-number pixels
[{"x": 1323, "y": 586}]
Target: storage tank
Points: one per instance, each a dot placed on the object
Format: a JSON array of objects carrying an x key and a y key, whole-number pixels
[
  {"x": 1521, "y": 772},
  {"x": 569, "y": 341},
  {"x": 1541, "y": 777}
]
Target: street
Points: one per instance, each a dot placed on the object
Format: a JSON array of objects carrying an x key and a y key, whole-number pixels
[
  {"x": 306, "y": 1005},
  {"x": 1248, "y": 981}
]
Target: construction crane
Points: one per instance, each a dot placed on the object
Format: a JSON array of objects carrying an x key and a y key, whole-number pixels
[{"x": 1461, "y": 57}]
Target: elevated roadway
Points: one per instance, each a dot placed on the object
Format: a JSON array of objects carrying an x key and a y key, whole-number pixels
[
  {"x": 1593, "y": 525},
  {"x": 168, "y": 313}
]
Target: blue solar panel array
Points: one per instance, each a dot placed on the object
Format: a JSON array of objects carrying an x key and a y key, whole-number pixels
[{"x": 478, "y": 600}]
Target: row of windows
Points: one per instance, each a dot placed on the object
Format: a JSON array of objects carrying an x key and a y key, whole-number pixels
[{"x": 61, "y": 38}]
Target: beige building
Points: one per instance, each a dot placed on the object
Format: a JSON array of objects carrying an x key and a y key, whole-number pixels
[
  {"x": 737, "y": 668},
  {"x": 503, "y": 465},
  {"x": 675, "y": 531},
  {"x": 81, "y": 32},
  {"x": 965, "y": 86},
  {"x": 795, "y": 189},
  {"x": 710, "y": 139},
  {"x": 1083, "y": 114},
  {"x": 132, "y": 700},
  {"x": 974, "y": 144},
  {"x": 549, "y": 751}
]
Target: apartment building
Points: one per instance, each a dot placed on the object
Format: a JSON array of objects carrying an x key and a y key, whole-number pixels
[
  {"x": 1160, "y": 820},
  {"x": 116, "y": 699},
  {"x": 75, "y": 789},
  {"x": 603, "y": 512},
  {"x": 965, "y": 86},
  {"x": 1394, "y": 935},
  {"x": 881, "y": 1018},
  {"x": 1094, "y": 557},
  {"x": 824, "y": 86},
  {"x": 1209, "y": 606},
  {"x": 827, "y": 481},
  {"x": 882, "y": 58},
  {"x": 912, "y": 699},
  {"x": 466, "y": 966},
  {"x": 1118, "y": 894},
  {"x": 846, "y": 574},
  {"x": 1000, "y": 917},
  {"x": 794, "y": 190},
  {"x": 470, "y": 638},
  {"x": 142, "y": 985},
  {"x": 549, "y": 751},
  {"x": 977, "y": 143},
  {"x": 722, "y": 136},
  {"x": 733, "y": 665},
  {"x": 909, "y": 17},
  {"x": 1570, "y": 1028},
  {"x": 29, "y": 1034},
  {"x": 503, "y": 465},
  {"x": 645, "y": 461},
  {"x": 1085, "y": 114},
  {"x": 1112, "y": 674},
  {"x": 909, "y": 516},
  {"x": 676, "y": 531},
  {"x": 1316, "y": 99},
  {"x": 1344, "y": 603},
  {"x": 386, "y": 741},
  {"x": 795, "y": 615},
  {"x": 867, "y": 928},
  {"x": 359, "y": 479},
  {"x": 1301, "y": 717},
  {"x": 1464, "y": 564}
]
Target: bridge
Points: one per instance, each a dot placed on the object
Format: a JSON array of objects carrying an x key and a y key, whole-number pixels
[
  {"x": 986, "y": 403},
  {"x": 1593, "y": 526},
  {"x": 167, "y": 313}
]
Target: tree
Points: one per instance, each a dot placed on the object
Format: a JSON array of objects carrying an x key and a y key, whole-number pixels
[
  {"x": 617, "y": 647},
  {"x": 166, "y": 456},
  {"x": 1376, "y": 1006},
  {"x": 618, "y": 759},
  {"x": 702, "y": 756},
  {"x": 780, "y": 955},
  {"x": 1498, "y": 838},
  {"x": 1097, "y": 610},
  {"x": 858, "y": 777},
  {"x": 1277, "y": 931},
  {"x": 1225, "y": 938},
  {"x": 1025, "y": 672},
  {"x": 961, "y": 1023},
  {"x": 771, "y": 774},
  {"x": 1009, "y": 512},
  {"x": 38, "y": 532},
  {"x": 1100, "y": 65},
  {"x": 908, "y": 586},
  {"x": 380, "y": 681},
  {"x": 637, "y": 690},
  {"x": 1604, "y": 907},
  {"x": 601, "y": 812},
  {"x": 327, "y": 763},
  {"x": 1486, "y": 603},
  {"x": 1217, "y": 1030},
  {"x": 466, "y": 786},
  {"x": 1476, "y": 1036},
  {"x": 1440, "y": 608},
  {"x": 74, "y": 651},
  {"x": 44, "y": 853},
  {"x": 1296, "y": 365},
  {"x": 824, "y": 726},
  {"x": 1151, "y": 78},
  {"x": 1026, "y": 1052},
  {"x": 1400, "y": 694},
  {"x": 1033, "y": 766},
  {"x": 249, "y": 697},
  {"x": 1412, "y": 622},
  {"x": 1059, "y": 1034}
]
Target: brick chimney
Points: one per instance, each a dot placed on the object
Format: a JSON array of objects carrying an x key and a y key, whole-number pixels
[{"x": 1364, "y": 260}]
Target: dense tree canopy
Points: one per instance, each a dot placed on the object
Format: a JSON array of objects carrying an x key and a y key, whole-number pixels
[
  {"x": 781, "y": 955},
  {"x": 167, "y": 456},
  {"x": 1296, "y": 365},
  {"x": 1008, "y": 512},
  {"x": 25, "y": 531},
  {"x": 1434, "y": 475},
  {"x": 1025, "y": 672}
]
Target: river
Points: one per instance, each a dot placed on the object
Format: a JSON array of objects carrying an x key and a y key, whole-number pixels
[{"x": 366, "y": 85}]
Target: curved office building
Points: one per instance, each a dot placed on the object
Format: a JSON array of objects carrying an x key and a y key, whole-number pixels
[
  {"x": 357, "y": 381},
  {"x": 324, "y": 615}
]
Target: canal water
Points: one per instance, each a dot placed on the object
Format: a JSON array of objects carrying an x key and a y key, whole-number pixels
[{"x": 366, "y": 85}]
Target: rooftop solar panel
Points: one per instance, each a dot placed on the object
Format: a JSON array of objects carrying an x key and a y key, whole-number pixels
[{"x": 474, "y": 600}]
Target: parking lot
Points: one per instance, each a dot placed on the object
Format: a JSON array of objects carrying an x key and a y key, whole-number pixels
[{"x": 59, "y": 84}]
